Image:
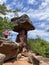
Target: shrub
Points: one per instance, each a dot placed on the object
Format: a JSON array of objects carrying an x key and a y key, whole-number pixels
[{"x": 39, "y": 46}]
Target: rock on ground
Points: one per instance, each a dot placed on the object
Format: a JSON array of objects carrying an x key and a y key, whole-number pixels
[{"x": 2, "y": 58}]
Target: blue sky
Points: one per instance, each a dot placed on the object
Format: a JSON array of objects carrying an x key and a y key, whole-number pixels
[{"x": 37, "y": 10}]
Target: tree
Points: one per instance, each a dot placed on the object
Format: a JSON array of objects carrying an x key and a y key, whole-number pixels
[
  {"x": 16, "y": 12},
  {"x": 4, "y": 10},
  {"x": 4, "y": 22},
  {"x": 1, "y": 26},
  {"x": 7, "y": 24}
]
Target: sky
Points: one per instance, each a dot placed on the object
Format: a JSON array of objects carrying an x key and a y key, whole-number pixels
[{"x": 37, "y": 10}]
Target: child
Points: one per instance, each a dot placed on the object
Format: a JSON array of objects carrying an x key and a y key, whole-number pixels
[{"x": 6, "y": 33}]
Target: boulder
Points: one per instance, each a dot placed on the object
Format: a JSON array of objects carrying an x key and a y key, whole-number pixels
[
  {"x": 8, "y": 48},
  {"x": 33, "y": 60},
  {"x": 19, "y": 56},
  {"x": 12, "y": 49},
  {"x": 24, "y": 52},
  {"x": 2, "y": 58}
]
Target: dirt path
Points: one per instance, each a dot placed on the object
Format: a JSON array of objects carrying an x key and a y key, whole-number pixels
[{"x": 22, "y": 61}]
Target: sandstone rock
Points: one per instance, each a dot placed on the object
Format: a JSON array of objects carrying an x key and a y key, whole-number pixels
[
  {"x": 33, "y": 60},
  {"x": 19, "y": 56},
  {"x": 25, "y": 54},
  {"x": 10, "y": 49},
  {"x": 30, "y": 59},
  {"x": 24, "y": 50},
  {"x": 2, "y": 58}
]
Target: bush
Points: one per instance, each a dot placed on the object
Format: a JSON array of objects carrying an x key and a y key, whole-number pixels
[
  {"x": 39, "y": 46},
  {"x": 5, "y": 24}
]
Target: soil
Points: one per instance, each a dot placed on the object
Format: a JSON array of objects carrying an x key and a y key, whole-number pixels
[{"x": 24, "y": 61}]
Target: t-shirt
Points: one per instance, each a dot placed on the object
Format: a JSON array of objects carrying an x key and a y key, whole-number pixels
[{"x": 6, "y": 32}]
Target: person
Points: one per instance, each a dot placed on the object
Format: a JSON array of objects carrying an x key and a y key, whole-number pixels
[{"x": 6, "y": 33}]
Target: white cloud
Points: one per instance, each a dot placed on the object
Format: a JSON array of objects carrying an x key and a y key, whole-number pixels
[
  {"x": 38, "y": 14},
  {"x": 8, "y": 6},
  {"x": 10, "y": 15},
  {"x": 14, "y": 3},
  {"x": 2, "y": 1},
  {"x": 42, "y": 13},
  {"x": 21, "y": 13},
  {"x": 38, "y": 32},
  {"x": 32, "y": 2},
  {"x": 46, "y": 38},
  {"x": 42, "y": 25},
  {"x": 47, "y": 28},
  {"x": 26, "y": 8},
  {"x": 43, "y": 10},
  {"x": 43, "y": 5},
  {"x": 19, "y": 5},
  {"x": 41, "y": 33}
]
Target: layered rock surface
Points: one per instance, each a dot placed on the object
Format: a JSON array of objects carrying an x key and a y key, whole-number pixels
[{"x": 8, "y": 48}]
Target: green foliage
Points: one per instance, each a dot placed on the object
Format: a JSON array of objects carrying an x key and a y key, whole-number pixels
[
  {"x": 39, "y": 46},
  {"x": 5, "y": 24},
  {"x": 1, "y": 26},
  {"x": 3, "y": 9}
]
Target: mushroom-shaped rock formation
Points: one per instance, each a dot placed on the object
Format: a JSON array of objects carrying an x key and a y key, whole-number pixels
[{"x": 22, "y": 24}]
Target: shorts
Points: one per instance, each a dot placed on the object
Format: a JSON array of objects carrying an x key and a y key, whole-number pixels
[{"x": 6, "y": 36}]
